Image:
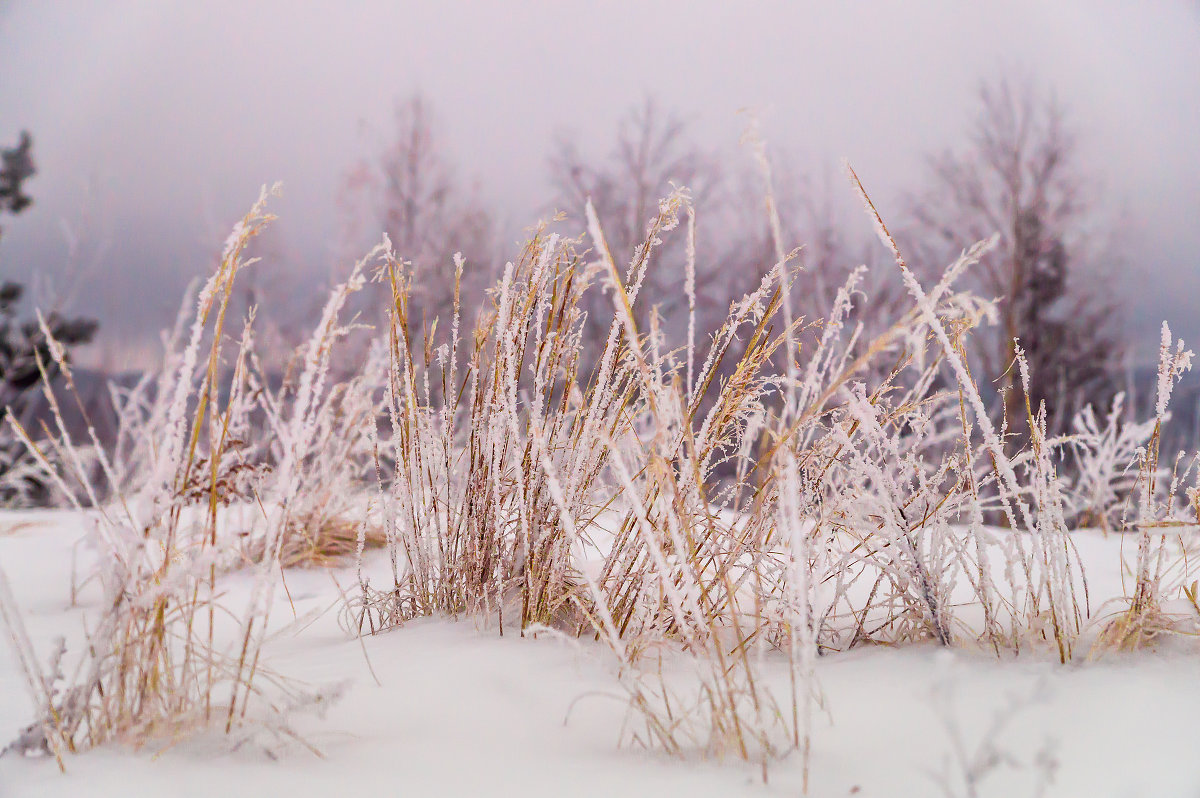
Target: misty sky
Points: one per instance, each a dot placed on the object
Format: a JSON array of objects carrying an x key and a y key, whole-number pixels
[{"x": 155, "y": 122}]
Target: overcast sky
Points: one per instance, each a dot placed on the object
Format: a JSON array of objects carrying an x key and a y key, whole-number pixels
[{"x": 158, "y": 121}]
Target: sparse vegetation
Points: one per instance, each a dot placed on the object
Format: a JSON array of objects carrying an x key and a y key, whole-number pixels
[{"x": 748, "y": 502}]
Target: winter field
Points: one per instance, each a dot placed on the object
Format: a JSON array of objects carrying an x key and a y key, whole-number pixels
[
  {"x": 458, "y": 710},
  {"x": 782, "y": 556}
]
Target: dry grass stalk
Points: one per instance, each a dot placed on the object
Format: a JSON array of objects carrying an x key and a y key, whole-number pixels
[{"x": 167, "y": 655}]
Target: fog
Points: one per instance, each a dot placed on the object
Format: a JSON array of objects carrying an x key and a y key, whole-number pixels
[{"x": 155, "y": 123}]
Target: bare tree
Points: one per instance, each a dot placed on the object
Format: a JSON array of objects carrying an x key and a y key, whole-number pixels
[
  {"x": 829, "y": 249},
  {"x": 652, "y": 152},
  {"x": 1019, "y": 177},
  {"x": 411, "y": 192}
]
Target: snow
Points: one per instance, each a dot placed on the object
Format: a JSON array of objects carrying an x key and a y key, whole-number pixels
[{"x": 461, "y": 711}]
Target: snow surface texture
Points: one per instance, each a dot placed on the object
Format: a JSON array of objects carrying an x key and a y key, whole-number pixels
[{"x": 461, "y": 711}]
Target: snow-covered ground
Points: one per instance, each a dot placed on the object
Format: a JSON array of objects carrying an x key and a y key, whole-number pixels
[{"x": 459, "y": 710}]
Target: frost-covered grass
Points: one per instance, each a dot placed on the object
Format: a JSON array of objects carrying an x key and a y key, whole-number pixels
[
  {"x": 542, "y": 717},
  {"x": 166, "y": 653},
  {"x": 715, "y": 516}
]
